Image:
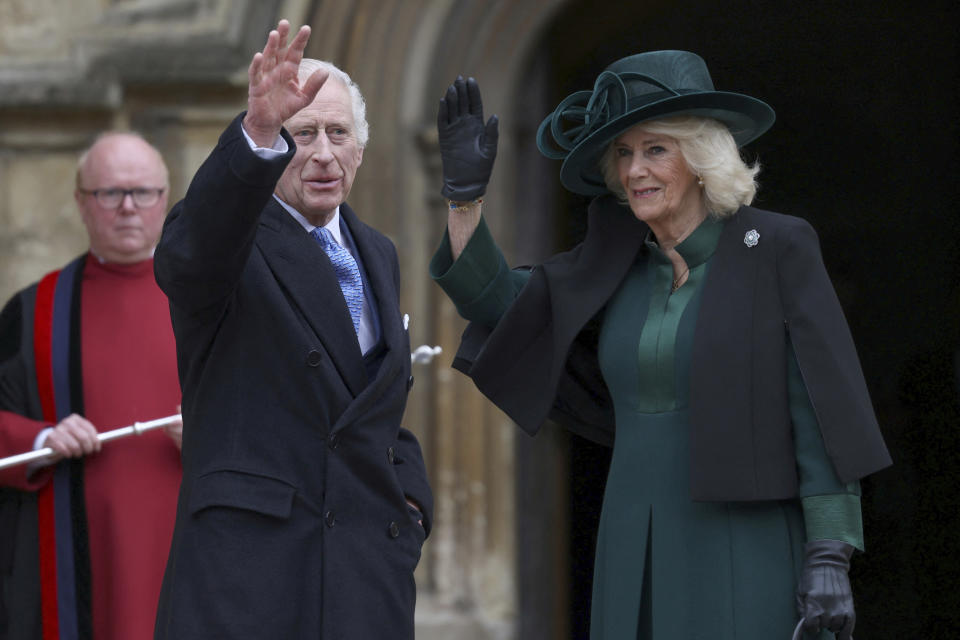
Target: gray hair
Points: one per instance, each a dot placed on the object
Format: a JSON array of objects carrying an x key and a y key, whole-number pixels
[
  {"x": 357, "y": 103},
  {"x": 710, "y": 152}
]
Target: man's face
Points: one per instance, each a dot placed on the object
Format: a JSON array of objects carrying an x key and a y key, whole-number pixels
[
  {"x": 319, "y": 177},
  {"x": 124, "y": 233}
]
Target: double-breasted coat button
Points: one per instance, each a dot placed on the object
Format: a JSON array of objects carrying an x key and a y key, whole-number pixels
[
  {"x": 409, "y": 383},
  {"x": 333, "y": 441},
  {"x": 314, "y": 358},
  {"x": 391, "y": 454},
  {"x": 394, "y": 530},
  {"x": 329, "y": 518}
]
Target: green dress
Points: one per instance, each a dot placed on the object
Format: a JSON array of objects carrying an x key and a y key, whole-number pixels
[
  {"x": 669, "y": 568},
  {"x": 666, "y": 566}
]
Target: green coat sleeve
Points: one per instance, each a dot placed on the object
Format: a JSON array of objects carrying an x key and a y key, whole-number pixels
[
  {"x": 831, "y": 509},
  {"x": 480, "y": 284}
]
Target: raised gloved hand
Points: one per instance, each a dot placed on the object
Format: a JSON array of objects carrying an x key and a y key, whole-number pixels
[
  {"x": 468, "y": 147},
  {"x": 824, "y": 597}
]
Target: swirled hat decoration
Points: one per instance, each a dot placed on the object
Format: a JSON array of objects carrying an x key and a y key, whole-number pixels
[{"x": 641, "y": 87}]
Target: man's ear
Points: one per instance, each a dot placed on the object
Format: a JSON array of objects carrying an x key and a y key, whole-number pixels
[{"x": 79, "y": 198}]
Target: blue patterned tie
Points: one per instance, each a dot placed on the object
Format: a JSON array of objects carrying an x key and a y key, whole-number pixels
[{"x": 347, "y": 272}]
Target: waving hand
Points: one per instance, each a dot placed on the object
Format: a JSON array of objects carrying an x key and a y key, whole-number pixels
[
  {"x": 468, "y": 147},
  {"x": 275, "y": 92}
]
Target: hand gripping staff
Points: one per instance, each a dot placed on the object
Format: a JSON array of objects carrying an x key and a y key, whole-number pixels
[
  {"x": 134, "y": 429},
  {"x": 422, "y": 355}
]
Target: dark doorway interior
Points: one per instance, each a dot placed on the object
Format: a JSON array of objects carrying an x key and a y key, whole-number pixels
[{"x": 865, "y": 148}]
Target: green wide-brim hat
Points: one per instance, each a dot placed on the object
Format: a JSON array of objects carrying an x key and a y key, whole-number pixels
[{"x": 638, "y": 88}]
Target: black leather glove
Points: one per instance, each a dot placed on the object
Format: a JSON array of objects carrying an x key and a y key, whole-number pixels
[
  {"x": 824, "y": 597},
  {"x": 467, "y": 146}
]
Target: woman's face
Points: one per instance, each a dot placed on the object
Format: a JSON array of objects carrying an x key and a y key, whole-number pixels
[{"x": 655, "y": 177}]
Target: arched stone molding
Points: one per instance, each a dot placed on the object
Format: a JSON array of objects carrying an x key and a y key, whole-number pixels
[{"x": 403, "y": 54}]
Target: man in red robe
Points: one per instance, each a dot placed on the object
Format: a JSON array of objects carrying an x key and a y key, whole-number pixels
[{"x": 84, "y": 541}]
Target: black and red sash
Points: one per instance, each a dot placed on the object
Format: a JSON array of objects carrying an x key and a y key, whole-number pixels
[{"x": 64, "y": 562}]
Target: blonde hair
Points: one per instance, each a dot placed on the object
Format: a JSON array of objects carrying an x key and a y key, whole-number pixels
[
  {"x": 710, "y": 152},
  {"x": 357, "y": 103}
]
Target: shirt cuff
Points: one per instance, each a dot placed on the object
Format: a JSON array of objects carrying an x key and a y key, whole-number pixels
[
  {"x": 41, "y": 438},
  {"x": 834, "y": 517},
  {"x": 267, "y": 153},
  {"x": 39, "y": 443}
]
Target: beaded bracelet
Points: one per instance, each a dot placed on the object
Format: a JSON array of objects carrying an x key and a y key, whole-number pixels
[{"x": 461, "y": 207}]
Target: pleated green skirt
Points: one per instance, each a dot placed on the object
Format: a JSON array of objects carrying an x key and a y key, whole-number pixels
[{"x": 668, "y": 568}]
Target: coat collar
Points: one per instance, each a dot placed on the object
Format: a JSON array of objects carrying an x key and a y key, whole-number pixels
[{"x": 696, "y": 248}]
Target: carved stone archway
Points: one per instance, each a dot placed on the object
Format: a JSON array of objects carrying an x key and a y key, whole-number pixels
[{"x": 501, "y": 508}]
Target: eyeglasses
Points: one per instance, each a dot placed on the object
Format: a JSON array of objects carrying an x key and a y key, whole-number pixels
[{"x": 112, "y": 198}]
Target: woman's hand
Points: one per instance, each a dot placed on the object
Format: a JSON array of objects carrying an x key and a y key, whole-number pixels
[
  {"x": 467, "y": 146},
  {"x": 824, "y": 597},
  {"x": 274, "y": 93}
]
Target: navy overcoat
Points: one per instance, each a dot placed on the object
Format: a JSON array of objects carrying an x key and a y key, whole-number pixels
[{"x": 292, "y": 519}]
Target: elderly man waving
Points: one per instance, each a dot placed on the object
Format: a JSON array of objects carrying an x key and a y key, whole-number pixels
[{"x": 304, "y": 502}]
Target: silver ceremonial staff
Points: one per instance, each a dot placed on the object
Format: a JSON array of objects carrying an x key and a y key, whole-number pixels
[
  {"x": 134, "y": 429},
  {"x": 421, "y": 355}
]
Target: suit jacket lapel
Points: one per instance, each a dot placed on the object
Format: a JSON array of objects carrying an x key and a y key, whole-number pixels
[
  {"x": 378, "y": 263},
  {"x": 305, "y": 273}
]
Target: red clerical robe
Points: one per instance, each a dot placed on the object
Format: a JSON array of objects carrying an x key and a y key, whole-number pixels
[{"x": 129, "y": 374}]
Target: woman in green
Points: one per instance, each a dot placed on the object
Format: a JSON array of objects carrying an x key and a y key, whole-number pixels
[{"x": 703, "y": 332}]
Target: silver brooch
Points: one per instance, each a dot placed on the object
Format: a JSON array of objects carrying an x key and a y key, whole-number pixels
[{"x": 751, "y": 238}]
